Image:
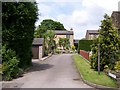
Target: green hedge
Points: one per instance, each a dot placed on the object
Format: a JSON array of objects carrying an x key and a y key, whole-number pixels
[
  {"x": 18, "y": 24},
  {"x": 84, "y": 45}
]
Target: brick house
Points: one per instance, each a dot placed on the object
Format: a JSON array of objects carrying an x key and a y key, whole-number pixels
[
  {"x": 64, "y": 34},
  {"x": 91, "y": 34},
  {"x": 37, "y": 48}
]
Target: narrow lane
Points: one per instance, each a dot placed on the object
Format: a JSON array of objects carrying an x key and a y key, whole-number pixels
[{"x": 57, "y": 71}]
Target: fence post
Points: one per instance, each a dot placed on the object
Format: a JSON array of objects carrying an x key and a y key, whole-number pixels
[
  {"x": 98, "y": 58},
  {"x": 118, "y": 78}
]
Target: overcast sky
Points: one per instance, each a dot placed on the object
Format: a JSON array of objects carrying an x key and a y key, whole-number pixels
[{"x": 81, "y": 15}]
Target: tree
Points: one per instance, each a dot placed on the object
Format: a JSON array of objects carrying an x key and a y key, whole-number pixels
[
  {"x": 67, "y": 43},
  {"x": 40, "y": 31},
  {"x": 44, "y": 31},
  {"x": 64, "y": 43},
  {"x": 61, "y": 43},
  {"x": 48, "y": 24},
  {"x": 109, "y": 45},
  {"x": 52, "y": 25},
  {"x": 50, "y": 43},
  {"x": 18, "y": 24}
]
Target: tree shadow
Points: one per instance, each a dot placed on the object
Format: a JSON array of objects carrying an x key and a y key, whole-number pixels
[{"x": 39, "y": 67}]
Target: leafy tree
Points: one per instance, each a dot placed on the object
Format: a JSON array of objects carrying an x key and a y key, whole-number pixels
[
  {"x": 52, "y": 25},
  {"x": 50, "y": 43},
  {"x": 48, "y": 24},
  {"x": 64, "y": 43},
  {"x": 60, "y": 42},
  {"x": 40, "y": 31},
  {"x": 44, "y": 31},
  {"x": 18, "y": 20},
  {"x": 109, "y": 45},
  {"x": 67, "y": 43}
]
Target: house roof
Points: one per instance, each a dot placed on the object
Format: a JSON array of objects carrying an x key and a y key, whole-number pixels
[
  {"x": 63, "y": 32},
  {"x": 92, "y": 31},
  {"x": 37, "y": 41},
  {"x": 116, "y": 12}
]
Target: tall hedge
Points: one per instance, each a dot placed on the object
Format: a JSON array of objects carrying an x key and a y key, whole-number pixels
[
  {"x": 84, "y": 45},
  {"x": 18, "y": 24}
]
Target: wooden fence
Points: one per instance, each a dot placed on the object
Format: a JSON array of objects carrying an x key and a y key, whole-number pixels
[{"x": 84, "y": 54}]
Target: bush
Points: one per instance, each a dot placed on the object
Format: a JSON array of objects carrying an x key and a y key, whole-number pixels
[
  {"x": 18, "y": 24},
  {"x": 73, "y": 48},
  {"x": 57, "y": 51},
  {"x": 117, "y": 65},
  {"x": 84, "y": 45},
  {"x": 10, "y": 63}
]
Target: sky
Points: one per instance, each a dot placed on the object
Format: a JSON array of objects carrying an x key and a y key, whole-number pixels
[{"x": 81, "y": 15}]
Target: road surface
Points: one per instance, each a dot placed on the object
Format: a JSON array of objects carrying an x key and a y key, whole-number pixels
[{"x": 57, "y": 71}]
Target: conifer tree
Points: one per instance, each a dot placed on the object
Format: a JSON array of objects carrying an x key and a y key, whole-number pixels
[{"x": 109, "y": 45}]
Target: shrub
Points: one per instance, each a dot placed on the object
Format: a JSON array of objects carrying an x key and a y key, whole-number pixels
[
  {"x": 117, "y": 65},
  {"x": 57, "y": 51},
  {"x": 73, "y": 48},
  {"x": 106, "y": 69},
  {"x": 18, "y": 24},
  {"x": 10, "y": 63},
  {"x": 84, "y": 45}
]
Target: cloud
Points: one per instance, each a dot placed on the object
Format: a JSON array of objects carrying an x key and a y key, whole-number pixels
[
  {"x": 82, "y": 20},
  {"x": 81, "y": 15},
  {"x": 44, "y": 9},
  {"x": 58, "y": 1}
]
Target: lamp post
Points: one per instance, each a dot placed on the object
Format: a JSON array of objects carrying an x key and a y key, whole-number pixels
[{"x": 99, "y": 58}]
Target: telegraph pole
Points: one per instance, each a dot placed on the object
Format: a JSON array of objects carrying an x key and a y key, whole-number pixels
[{"x": 99, "y": 59}]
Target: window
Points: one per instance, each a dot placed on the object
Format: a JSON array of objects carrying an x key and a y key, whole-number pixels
[{"x": 67, "y": 36}]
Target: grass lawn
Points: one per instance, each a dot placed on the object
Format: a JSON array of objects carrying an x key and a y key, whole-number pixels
[{"x": 91, "y": 75}]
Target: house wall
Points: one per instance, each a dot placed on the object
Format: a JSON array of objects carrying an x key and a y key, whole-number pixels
[
  {"x": 116, "y": 19},
  {"x": 87, "y": 36},
  {"x": 91, "y": 36},
  {"x": 64, "y": 36},
  {"x": 71, "y": 40},
  {"x": 59, "y": 36},
  {"x": 40, "y": 52}
]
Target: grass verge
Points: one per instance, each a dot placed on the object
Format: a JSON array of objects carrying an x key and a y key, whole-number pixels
[
  {"x": 0, "y": 68},
  {"x": 91, "y": 75}
]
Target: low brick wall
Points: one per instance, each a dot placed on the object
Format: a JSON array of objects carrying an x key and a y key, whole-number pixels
[{"x": 84, "y": 54}]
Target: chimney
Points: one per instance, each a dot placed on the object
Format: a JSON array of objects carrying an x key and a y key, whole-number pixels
[
  {"x": 71, "y": 29},
  {"x": 119, "y": 6}
]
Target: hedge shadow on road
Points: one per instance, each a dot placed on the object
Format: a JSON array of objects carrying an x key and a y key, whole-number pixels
[{"x": 39, "y": 67}]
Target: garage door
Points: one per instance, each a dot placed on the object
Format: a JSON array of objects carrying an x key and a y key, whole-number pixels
[{"x": 35, "y": 52}]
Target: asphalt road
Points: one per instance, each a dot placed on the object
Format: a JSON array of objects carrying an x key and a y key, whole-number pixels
[{"x": 57, "y": 71}]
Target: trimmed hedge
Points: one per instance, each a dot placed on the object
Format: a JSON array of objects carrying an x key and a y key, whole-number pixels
[
  {"x": 18, "y": 24},
  {"x": 84, "y": 45}
]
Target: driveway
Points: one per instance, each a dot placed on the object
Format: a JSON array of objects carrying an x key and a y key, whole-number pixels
[{"x": 57, "y": 71}]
